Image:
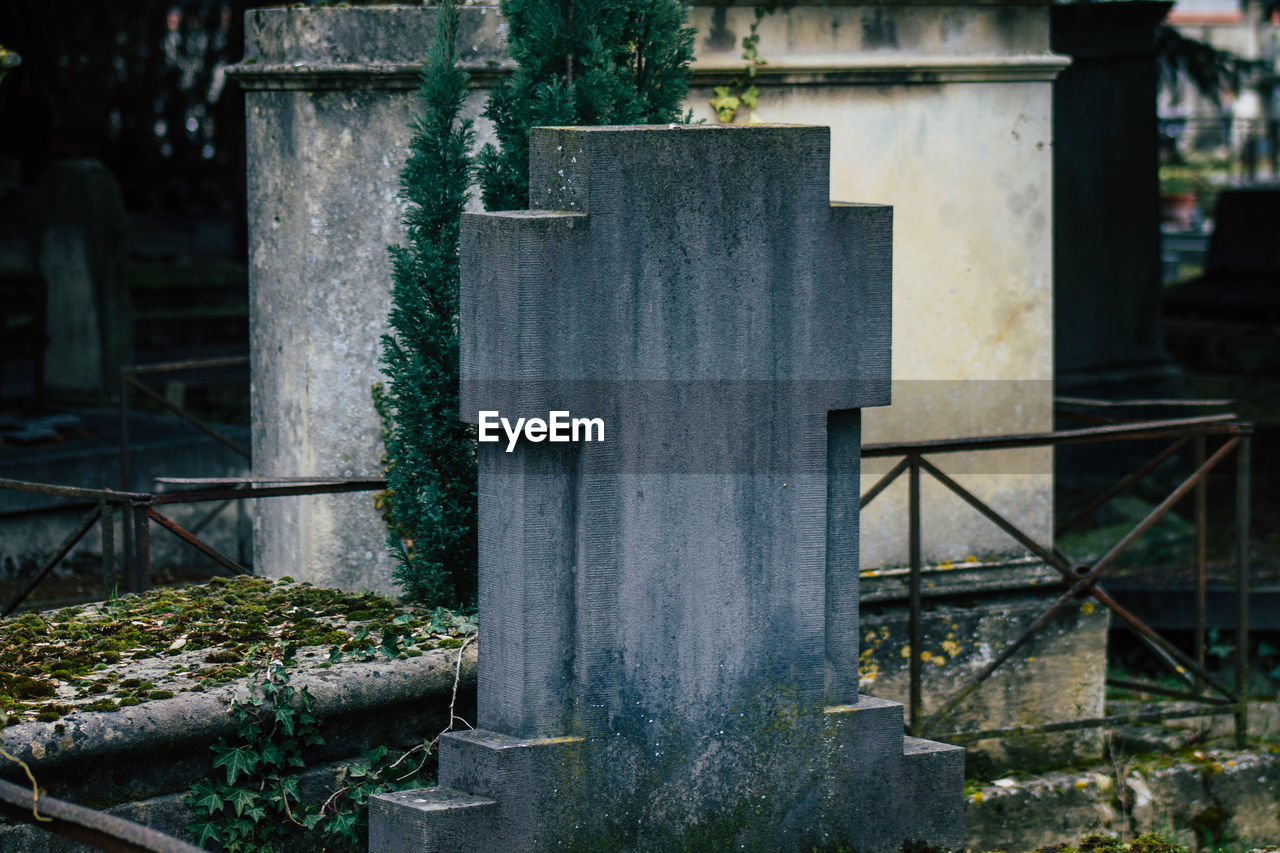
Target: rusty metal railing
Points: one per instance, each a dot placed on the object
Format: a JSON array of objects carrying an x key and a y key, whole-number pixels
[
  {"x": 1083, "y": 580},
  {"x": 97, "y": 829},
  {"x": 139, "y": 511},
  {"x": 130, "y": 381}
]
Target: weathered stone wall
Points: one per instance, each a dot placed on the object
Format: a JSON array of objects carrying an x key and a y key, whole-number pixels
[
  {"x": 941, "y": 111},
  {"x": 1057, "y": 676},
  {"x": 1217, "y": 799}
]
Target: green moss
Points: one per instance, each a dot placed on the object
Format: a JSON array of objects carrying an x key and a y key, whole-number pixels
[
  {"x": 102, "y": 705},
  {"x": 24, "y": 687},
  {"x": 1150, "y": 843},
  {"x": 221, "y": 620},
  {"x": 221, "y": 656}
]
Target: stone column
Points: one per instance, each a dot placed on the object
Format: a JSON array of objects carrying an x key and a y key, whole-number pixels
[
  {"x": 330, "y": 99},
  {"x": 1108, "y": 339},
  {"x": 669, "y": 617},
  {"x": 82, "y": 237}
]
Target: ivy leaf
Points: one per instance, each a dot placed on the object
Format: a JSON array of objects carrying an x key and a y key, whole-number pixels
[
  {"x": 284, "y": 716},
  {"x": 272, "y": 755},
  {"x": 239, "y": 761},
  {"x": 204, "y": 833},
  {"x": 289, "y": 785},
  {"x": 205, "y": 796},
  {"x": 241, "y": 799},
  {"x": 342, "y": 824}
]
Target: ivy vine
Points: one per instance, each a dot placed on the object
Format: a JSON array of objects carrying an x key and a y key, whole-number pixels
[
  {"x": 257, "y": 808},
  {"x": 252, "y": 810},
  {"x": 742, "y": 90}
]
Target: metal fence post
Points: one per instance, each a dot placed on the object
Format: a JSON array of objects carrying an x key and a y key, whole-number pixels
[
  {"x": 916, "y": 630},
  {"x": 244, "y": 535},
  {"x": 1202, "y": 532},
  {"x": 127, "y": 549},
  {"x": 107, "y": 518},
  {"x": 140, "y": 566},
  {"x": 1242, "y": 590}
]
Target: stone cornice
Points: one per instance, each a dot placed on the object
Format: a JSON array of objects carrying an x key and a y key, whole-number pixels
[
  {"x": 316, "y": 77},
  {"x": 850, "y": 69}
]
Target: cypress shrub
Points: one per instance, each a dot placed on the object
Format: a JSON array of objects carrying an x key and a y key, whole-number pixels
[{"x": 580, "y": 62}]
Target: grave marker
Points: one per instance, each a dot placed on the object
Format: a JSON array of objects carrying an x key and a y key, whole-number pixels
[{"x": 669, "y": 617}]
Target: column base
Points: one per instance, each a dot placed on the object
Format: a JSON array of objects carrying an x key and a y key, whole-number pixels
[{"x": 845, "y": 776}]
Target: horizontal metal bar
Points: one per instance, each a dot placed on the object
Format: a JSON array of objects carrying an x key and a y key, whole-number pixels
[
  {"x": 200, "y": 495},
  {"x": 73, "y": 492},
  {"x": 1105, "y": 404},
  {"x": 193, "y": 364},
  {"x": 1142, "y": 687},
  {"x": 1205, "y": 425},
  {"x": 97, "y": 829},
  {"x": 1091, "y": 723}
]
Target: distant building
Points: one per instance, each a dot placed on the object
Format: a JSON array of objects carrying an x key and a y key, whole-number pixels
[{"x": 1240, "y": 126}]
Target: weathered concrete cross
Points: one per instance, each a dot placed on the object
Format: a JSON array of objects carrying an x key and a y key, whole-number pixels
[{"x": 669, "y": 615}]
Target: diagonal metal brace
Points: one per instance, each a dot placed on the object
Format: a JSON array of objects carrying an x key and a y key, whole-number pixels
[{"x": 1082, "y": 585}]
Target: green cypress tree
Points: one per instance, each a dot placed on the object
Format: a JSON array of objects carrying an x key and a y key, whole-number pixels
[
  {"x": 582, "y": 62},
  {"x": 579, "y": 62},
  {"x": 431, "y": 471}
]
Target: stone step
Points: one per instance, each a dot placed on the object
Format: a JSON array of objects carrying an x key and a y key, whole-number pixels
[
  {"x": 930, "y": 767},
  {"x": 489, "y": 763},
  {"x": 451, "y": 818},
  {"x": 870, "y": 729}
]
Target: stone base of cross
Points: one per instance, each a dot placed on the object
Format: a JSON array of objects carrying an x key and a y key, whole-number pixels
[{"x": 669, "y": 605}]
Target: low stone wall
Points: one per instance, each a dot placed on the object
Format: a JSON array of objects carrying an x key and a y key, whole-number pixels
[
  {"x": 1055, "y": 677},
  {"x": 1212, "y": 799},
  {"x": 139, "y": 761}
]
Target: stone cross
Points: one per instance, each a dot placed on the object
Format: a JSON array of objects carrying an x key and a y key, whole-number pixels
[{"x": 669, "y": 598}]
